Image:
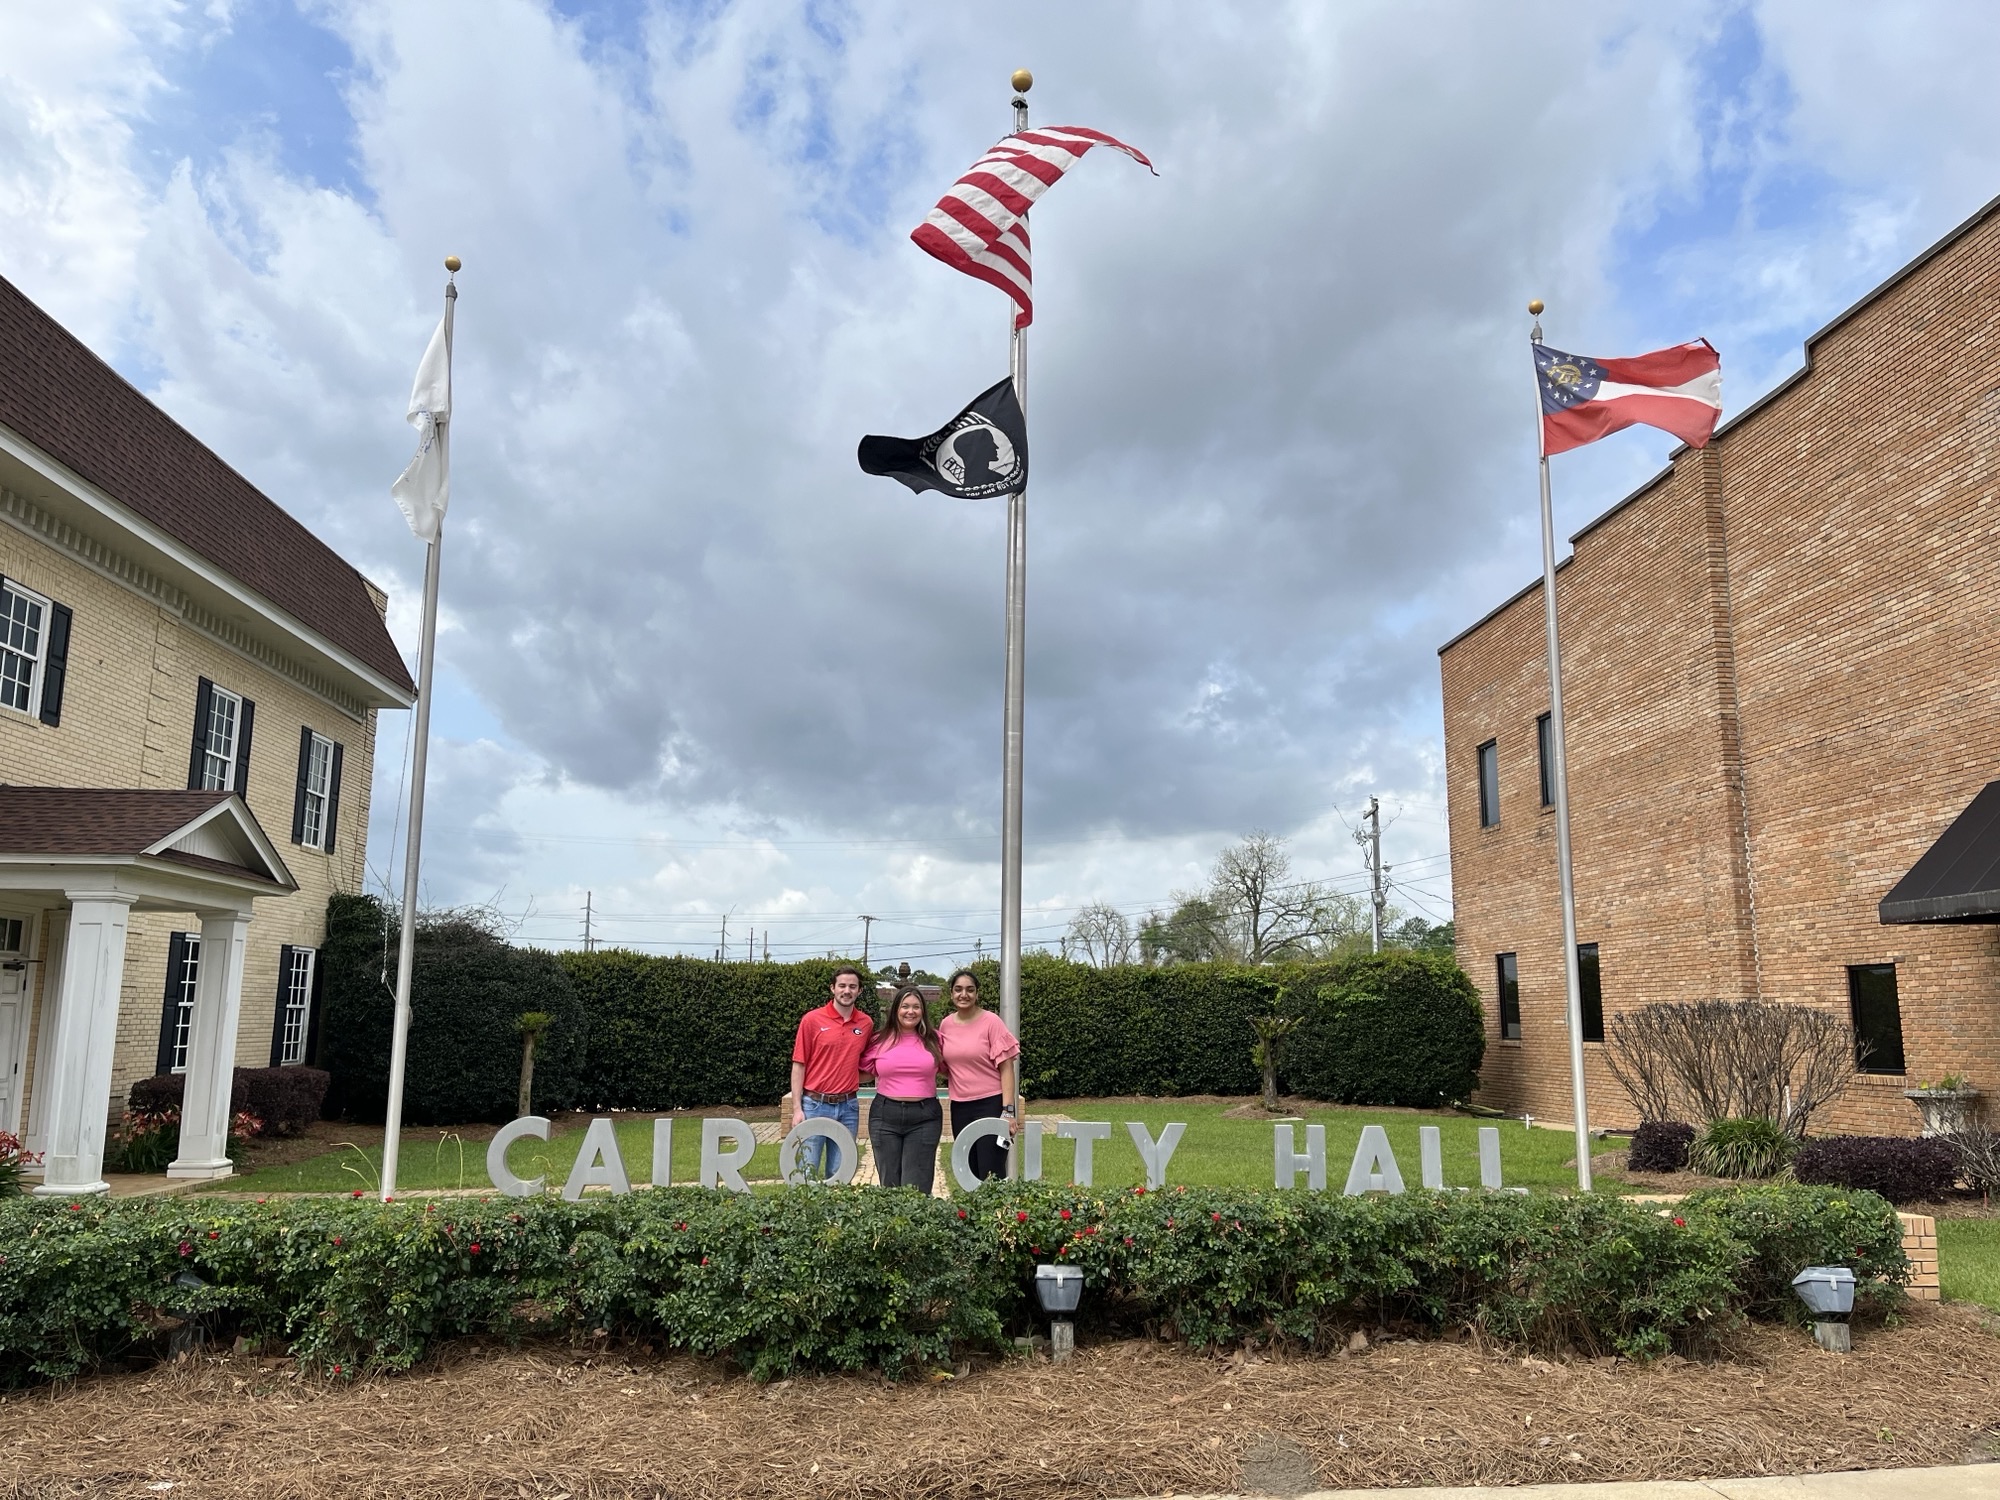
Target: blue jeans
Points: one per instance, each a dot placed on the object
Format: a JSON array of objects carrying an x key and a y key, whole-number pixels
[{"x": 820, "y": 1157}]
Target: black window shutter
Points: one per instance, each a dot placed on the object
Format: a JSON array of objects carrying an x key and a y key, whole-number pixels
[
  {"x": 55, "y": 663},
  {"x": 284, "y": 989},
  {"x": 299, "y": 792},
  {"x": 312, "y": 1014},
  {"x": 204, "y": 699},
  {"x": 170, "y": 1012},
  {"x": 245, "y": 719},
  {"x": 332, "y": 805}
]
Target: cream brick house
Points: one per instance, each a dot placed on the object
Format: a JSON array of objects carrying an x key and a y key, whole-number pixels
[{"x": 188, "y": 687}]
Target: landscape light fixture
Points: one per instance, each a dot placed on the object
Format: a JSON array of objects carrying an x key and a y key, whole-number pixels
[
  {"x": 1828, "y": 1293},
  {"x": 1059, "y": 1289}
]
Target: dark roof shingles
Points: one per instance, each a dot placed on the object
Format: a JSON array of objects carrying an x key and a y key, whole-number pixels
[{"x": 78, "y": 410}]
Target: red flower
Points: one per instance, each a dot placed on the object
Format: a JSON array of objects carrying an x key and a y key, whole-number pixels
[
  {"x": 474, "y": 1247},
  {"x": 357, "y": 1193},
  {"x": 1170, "y": 1223},
  {"x": 336, "y": 1239},
  {"x": 1138, "y": 1192},
  {"x": 1020, "y": 1217},
  {"x": 215, "y": 1234},
  {"x": 961, "y": 1213},
  {"x": 704, "y": 1260},
  {"x": 76, "y": 1208},
  {"x": 1216, "y": 1217},
  {"x": 1062, "y": 1213},
  {"x": 1128, "y": 1240},
  {"x": 1680, "y": 1223},
  {"x": 186, "y": 1248},
  {"x": 1090, "y": 1229},
  {"x": 390, "y": 1199},
  {"x": 1034, "y": 1249},
  {"x": 336, "y": 1369},
  {"x": 681, "y": 1226}
]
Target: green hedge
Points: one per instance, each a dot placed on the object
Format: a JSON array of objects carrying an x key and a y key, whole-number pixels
[
  {"x": 867, "y": 1278},
  {"x": 468, "y": 990},
  {"x": 1390, "y": 1028}
]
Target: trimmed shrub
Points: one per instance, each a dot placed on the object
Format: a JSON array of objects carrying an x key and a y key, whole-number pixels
[
  {"x": 670, "y": 1033},
  {"x": 1902, "y": 1170},
  {"x": 1740, "y": 1148},
  {"x": 1397, "y": 1028},
  {"x": 356, "y": 1285},
  {"x": 467, "y": 991},
  {"x": 285, "y": 1100},
  {"x": 1660, "y": 1146}
]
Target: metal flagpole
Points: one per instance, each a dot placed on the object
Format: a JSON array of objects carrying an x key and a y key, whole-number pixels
[
  {"x": 1559, "y": 773},
  {"x": 392, "y": 1129},
  {"x": 1017, "y": 638}
]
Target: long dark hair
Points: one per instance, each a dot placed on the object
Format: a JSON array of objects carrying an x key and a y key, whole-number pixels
[
  {"x": 952, "y": 984},
  {"x": 890, "y": 1024}
]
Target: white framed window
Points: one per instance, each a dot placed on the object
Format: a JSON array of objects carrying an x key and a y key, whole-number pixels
[
  {"x": 225, "y": 724},
  {"x": 23, "y": 645},
  {"x": 318, "y": 791},
  {"x": 298, "y": 1007},
  {"x": 184, "y": 983}
]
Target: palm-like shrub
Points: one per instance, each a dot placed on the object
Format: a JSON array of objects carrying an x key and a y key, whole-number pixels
[{"x": 1741, "y": 1148}]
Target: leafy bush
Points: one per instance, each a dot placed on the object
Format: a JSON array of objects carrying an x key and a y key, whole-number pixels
[
  {"x": 849, "y": 1279},
  {"x": 1660, "y": 1146},
  {"x": 1900, "y": 1169},
  {"x": 285, "y": 1100},
  {"x": 1396, "y": 1028},
  {"x": 467, "y": 990},
  {"x": 1785, "y": 1228},
  {"x": 14, "y": 1159},
  {"x": 1741, "y": 1148}
]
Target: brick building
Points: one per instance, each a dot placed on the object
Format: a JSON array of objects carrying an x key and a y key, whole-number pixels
[
  {"x": 188, "y": 687},
  {"x": 1781, "y": 662}
]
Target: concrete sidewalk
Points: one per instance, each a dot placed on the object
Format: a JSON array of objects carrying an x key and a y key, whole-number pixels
[{"x": 1959, "y": 1482}]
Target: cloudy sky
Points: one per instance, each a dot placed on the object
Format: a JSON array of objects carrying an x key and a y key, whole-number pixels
[{"x": 692, "y": 660}]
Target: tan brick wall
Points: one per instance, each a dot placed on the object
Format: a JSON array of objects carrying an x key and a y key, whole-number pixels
[
  {"x": 1779, "y": 670},
  {"x": 128, "y": 721}
]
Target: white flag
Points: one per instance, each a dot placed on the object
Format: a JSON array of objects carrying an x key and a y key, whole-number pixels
[{"x": 424, "y": 490}]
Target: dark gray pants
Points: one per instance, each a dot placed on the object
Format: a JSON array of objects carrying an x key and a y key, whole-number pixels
[{"x": 904, "y": 1133}]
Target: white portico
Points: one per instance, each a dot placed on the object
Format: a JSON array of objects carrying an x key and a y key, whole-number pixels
[{"x": 79, "y": 861}]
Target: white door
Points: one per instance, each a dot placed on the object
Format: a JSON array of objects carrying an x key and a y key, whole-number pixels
[{"x": 13, "y": 1021}]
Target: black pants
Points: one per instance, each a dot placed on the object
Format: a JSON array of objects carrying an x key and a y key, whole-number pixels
[
  {"x": 904, "y": 1133},
  {"x": 989, "y": 1157}
]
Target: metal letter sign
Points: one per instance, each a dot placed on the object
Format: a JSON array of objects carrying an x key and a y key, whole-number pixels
[{"x": 728, "y": 1145}]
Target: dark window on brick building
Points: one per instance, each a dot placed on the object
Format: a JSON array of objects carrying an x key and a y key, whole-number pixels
[
  {"x": 1545, "y": 749},
  {"x": 1509, "y": 974},
  {"x": 1878, "y": 1018},
  {"x": 1590, "y": 992},
  {"x": 1489, "y": 784}
]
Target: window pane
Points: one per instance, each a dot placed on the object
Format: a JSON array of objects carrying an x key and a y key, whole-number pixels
[
  {"x": 319, "y": 773},
  {"x": 1878, "y": 1018},
  {"x": 298, "y": 1002},
  {"x": 20, "y": 648},
  {"x": 218, "y": 766},
  {"x": 1590, "y": 991},
  {"x": 1545, "y": 750},
  {"x": 1489, "y": 784},
  {"x": 1509, "y": 977},
  {"x": 190, "y": 977}
]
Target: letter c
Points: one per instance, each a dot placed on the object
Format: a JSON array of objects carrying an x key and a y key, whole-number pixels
[{"x": 496, "y": 1156}]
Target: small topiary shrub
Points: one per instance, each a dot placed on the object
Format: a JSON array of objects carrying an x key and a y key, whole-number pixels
[
  {"x": 1741, "y": 1148},
  {"x": 1660, "y": 1146},
  {"x": 286, "y": 1100},
  {"x": 1900, "y": 1169}
]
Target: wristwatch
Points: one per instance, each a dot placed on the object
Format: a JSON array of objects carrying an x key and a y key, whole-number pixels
[{"x": 1008, "y": 1109}]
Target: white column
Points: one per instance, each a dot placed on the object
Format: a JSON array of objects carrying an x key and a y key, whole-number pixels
[
  {"x": 211, "y": 1054},
  {"x": 77, "y": 1070}
]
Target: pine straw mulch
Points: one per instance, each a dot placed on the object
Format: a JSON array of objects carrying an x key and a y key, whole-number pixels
[{"x": 1122, "y": 1419}]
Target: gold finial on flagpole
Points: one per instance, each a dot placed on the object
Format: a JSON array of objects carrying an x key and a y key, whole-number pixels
[
  {"x": 1022, "y": 80},
  {"x": 452, "y": 263},
  {"x": 1535, "y": 307}
]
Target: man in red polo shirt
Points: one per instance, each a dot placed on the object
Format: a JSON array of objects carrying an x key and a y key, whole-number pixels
[{"x": 826, "y": 1067}]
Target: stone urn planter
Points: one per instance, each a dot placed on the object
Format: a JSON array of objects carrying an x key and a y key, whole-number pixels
[{"x": 1946, "y": 1111}]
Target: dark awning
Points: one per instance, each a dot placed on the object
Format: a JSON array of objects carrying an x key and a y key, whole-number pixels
[{"x": 1958, "y": 879}]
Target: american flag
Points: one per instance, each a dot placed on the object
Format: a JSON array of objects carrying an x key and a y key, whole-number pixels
[{"x": 979, "y": 226}]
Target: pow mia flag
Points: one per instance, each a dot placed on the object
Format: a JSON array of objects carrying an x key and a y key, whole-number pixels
[{"x": 981, "y": 452}]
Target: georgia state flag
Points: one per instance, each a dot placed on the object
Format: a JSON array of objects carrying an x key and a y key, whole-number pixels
[{"x": 1678, "y": 390}]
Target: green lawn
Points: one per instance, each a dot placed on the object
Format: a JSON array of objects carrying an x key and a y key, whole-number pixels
[
  {"x": 1969, "y": 1260},
  {"x": 1214, "y": 1151},
  {"x": 451, "y": 1164}
]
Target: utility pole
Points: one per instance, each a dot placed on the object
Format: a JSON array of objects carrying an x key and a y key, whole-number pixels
[
  {"x": 867, "y": 927},
  {"x": 722, "y": 949},
  {"x": 589, "y": 941},
  {"x": 767, "y": 945},
  {"x": 1370, "y": 839}
]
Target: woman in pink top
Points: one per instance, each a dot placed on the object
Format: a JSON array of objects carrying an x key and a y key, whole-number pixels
[
  {"x": 904, "y": 1122},
  {"x": 979, "y": 1059}
]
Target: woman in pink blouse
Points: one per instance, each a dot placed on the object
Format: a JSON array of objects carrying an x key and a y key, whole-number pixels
[
  {"x": 904, "y": 1122},
  {"x": 979, "y": 1059}
]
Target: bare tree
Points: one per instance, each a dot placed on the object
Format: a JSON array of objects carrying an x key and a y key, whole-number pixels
[
  {"x": 1273, "y": 916},
  {"x": 1100, "y": 933},
  {"x": 1732, "y": 1059}
]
